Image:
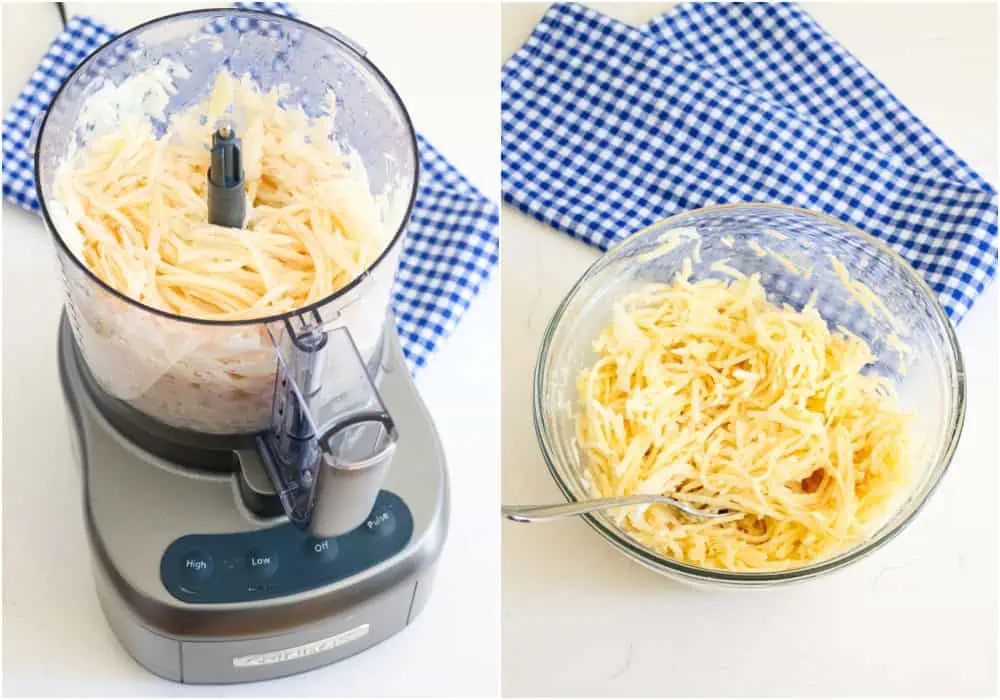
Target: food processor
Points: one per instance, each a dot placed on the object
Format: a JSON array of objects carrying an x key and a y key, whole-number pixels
[{"x": 261, "y": 497}]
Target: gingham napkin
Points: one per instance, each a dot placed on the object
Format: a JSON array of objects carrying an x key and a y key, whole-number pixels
[
  {"x": 451, "y": 246},
  {"x": 608, "y": 128}
]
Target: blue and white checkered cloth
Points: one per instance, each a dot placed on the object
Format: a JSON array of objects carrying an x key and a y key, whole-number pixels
[
  {"x": 451, "y": 246},
  {"x": 608, "y": 128}
]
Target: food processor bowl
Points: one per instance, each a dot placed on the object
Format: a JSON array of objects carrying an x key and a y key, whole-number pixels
[
  {"x": 218, "y": 377},
  {"x": 792, "y": 252}
]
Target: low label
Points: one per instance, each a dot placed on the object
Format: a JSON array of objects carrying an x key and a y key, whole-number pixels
[{"x": 303, "y": 650}]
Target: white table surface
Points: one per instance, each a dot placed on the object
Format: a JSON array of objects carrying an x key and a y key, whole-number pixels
[
  {"x": 917, "y": 618},
  {"x": 55, "y": 639}
]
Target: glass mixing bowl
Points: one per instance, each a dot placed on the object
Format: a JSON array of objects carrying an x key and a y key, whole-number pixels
[{"x": 932, "y": 383}]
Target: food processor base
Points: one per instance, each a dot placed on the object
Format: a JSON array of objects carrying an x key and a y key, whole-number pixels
[{"x": 199, "y": 589}]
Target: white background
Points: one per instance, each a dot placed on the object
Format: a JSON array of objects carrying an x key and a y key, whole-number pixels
[
  {"x": 917, "y": 618},
  {"x": 443, "y": 59}
]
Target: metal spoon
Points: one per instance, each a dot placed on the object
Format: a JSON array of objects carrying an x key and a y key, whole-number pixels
[{"x": 537, "y": 514}]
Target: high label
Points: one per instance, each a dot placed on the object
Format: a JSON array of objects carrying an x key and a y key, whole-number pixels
[{"x": 303, "y": 650}]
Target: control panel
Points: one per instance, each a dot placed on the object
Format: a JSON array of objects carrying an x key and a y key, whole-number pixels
[{"x": 283, "y": 560}]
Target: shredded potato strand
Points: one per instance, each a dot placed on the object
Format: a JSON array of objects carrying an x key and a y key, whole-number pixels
[{"x": 707, "y": 392}]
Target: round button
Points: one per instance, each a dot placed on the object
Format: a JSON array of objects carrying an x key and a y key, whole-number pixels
[
  {"x": 324, "y": 550},
  {"x": 382, "y": 523},
  {"x": 262, "y": 562},
  {"x": 197, "y": 565}
]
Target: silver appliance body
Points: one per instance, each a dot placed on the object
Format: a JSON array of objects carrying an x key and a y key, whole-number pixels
[{"x": 201, "y": 584}]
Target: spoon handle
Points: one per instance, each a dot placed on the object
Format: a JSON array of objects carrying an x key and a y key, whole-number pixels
[{"x": 537, "y": 514}]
